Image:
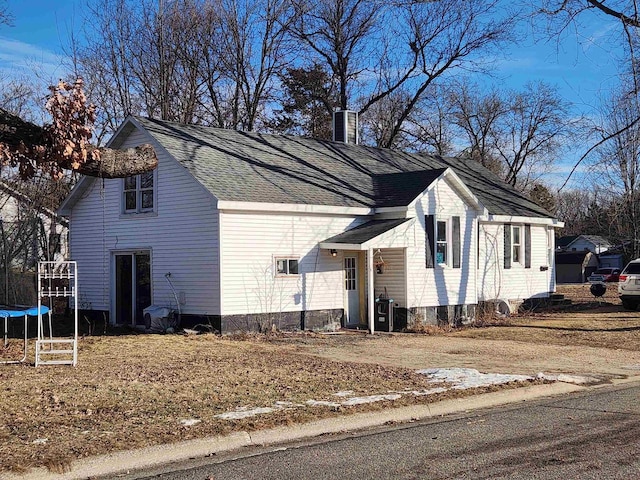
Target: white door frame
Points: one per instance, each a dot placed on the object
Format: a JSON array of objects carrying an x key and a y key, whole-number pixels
[{"x": 113, "y": 282}]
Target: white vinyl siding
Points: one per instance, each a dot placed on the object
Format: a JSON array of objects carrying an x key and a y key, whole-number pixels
[
  {"x": 392, "y": 279},
  {"x": 441, "y": 285},
  {"x": 182, "y": 236},
  {"x": 516, "y": 283},
  {"x": 250, "y": 241}
]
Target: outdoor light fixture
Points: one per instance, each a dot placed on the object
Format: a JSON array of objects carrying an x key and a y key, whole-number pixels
[{"x": 334, "y": 252}]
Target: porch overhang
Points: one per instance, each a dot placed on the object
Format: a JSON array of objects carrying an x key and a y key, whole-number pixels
[{"x": 389, "y": 233}]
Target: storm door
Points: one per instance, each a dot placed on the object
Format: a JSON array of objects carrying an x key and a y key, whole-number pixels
[
  {"x": 352, "y": 308},
  {"x": 132, "y": 287}
]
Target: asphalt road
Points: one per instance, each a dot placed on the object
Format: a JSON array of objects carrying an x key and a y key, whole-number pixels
[{"x": 591, "y": 435}]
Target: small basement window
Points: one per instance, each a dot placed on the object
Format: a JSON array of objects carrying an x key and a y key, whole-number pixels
[{"x": 286, "y": 266}]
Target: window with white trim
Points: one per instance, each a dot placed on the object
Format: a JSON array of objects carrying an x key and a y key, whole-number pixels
[
  {"x": 441, "y": 242},
  {"x": 516, "y": 243},
  {"x": 138, "y": 193},
  {"x": 286, "y": 266}
]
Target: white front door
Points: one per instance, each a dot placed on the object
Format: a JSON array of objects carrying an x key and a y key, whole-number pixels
[{"x": 352, "y": 308}]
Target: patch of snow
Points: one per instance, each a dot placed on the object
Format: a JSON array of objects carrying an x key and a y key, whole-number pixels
[
  {"x": 632, "y": 367},
  {"x": 344, "y": 393},
  {"x": 453, "y": 378},
  {"x": 371, "y": 399},
  {"x": 40, "y": 441},
  {"x": 190, "y": 422},
  {"x": 464, "y": 378},
  {"x": 322, "y": 403},
  {"x": 244, "y": 412}
]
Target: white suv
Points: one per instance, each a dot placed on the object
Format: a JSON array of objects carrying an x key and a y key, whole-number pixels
[{"x": 629, "y": 285}]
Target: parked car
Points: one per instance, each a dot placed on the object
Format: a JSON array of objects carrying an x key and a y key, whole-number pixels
[
  {"x": 605, "y": 275},
  {"x": 629, "y": 285}
]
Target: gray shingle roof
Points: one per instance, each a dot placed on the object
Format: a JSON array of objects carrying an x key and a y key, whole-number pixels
[
  {"x": 366, "y": 231},
  {"x": 253, "y": 167}
]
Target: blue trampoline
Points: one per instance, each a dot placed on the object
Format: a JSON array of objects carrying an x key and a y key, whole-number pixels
[{"x": 26, "y": 313}]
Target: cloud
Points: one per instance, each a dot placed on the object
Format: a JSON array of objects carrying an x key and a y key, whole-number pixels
[{"x": 20, "y": 58}]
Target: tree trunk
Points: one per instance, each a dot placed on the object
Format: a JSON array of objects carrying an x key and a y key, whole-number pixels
[
  {"x": 110, "y": 163},
  {"x": 14, "y": 130},
  {"x": 101, "y": 162}
]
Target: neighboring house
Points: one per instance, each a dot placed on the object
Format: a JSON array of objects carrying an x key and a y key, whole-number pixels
[
  {"x": 579, "y": 243},
  {"x": 575, "y": 267},
  {"x": 29, "y": 231},
  {"x": 259, "y": 230}
]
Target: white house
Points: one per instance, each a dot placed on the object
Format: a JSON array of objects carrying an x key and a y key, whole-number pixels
[
  {"x": 30, "y": 230},
  {"x": 258, "y": 230},
  {"x": 579, "y": 243}
]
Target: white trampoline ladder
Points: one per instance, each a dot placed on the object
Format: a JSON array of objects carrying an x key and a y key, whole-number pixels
[{"x": 57, "y": 351}]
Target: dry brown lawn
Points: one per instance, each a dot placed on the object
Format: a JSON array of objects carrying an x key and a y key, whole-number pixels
[
  {"x": 588, "y": 321},
  {"x": 133, "y": 391}
]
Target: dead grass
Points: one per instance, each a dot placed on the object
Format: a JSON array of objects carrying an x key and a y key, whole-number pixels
[
  {"x": 587, "y": 321},
  {"x": 133, "y": 391}
]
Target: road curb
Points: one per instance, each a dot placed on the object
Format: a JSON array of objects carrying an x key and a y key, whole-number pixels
[{"x": 126, "y": 461}]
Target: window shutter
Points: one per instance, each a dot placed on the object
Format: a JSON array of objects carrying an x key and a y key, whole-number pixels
[
  {"x": 507, "y": 245},
  {"x": 429, "y": 239},
  {"x": 455, "y": 233},
  {"x": 527, "y": 246}
]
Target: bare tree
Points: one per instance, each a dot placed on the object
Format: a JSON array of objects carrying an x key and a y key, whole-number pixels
[
  {"x": 446, "y": 36},
  {"x": 619, "y": 168},
  {"x": 518, "y": 135},
  {"x": 255, "y": 51},
  {"x": 5, "y": 16},
  {"x": 532, "y": 133},
  {"x": 565, "y": 15},
  {"x": 478, "y": 116},
  {"x": 376, "y": 50},
  {"x": 213, "y": 62},
  {"x": 18, "y": 96},
  {"x": 430, "y": 126}
]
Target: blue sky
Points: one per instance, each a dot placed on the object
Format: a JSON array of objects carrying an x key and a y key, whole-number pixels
[
  {"x": 582, "y": 66},
  {"x": 36, "y": 39}
]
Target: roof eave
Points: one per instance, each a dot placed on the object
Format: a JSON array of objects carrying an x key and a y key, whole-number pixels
[{"x": 553, "y": 222}]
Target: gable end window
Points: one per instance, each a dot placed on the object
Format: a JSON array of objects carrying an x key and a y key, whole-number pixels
[
  {"x": 138, "y": 193},
  {"x": 286, "y": 266}
]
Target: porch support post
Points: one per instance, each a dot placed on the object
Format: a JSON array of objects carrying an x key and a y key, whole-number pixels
[{"x": 370, "y": 300}]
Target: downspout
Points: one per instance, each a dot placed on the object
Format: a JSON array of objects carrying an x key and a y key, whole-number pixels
[{"x": 370, "y": 290}]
